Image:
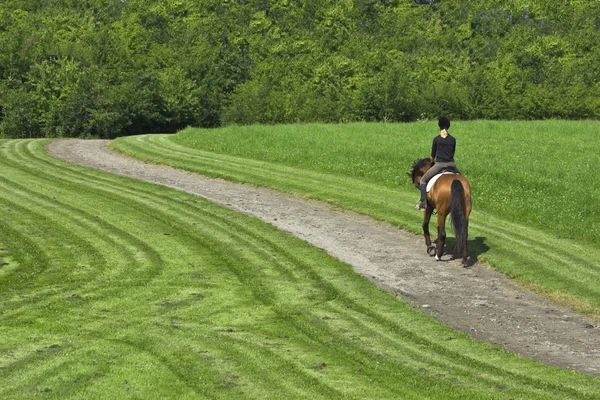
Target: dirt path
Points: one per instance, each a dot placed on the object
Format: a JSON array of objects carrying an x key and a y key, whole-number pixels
[{"x": 477, "y": 300}]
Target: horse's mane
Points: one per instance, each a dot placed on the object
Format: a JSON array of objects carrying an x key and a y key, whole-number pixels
[{"x": 420, "y": 163}]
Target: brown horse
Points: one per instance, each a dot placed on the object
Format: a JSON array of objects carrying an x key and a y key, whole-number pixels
[{"x": 450, "y": 194}]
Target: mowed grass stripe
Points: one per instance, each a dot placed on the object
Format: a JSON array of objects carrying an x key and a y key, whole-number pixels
[
  {"x": 216, "y": 224},
  {"x": 229, "y": 288},
  {"x": 550, "y": 264},
  {"x": 551, "y": 257},
  {"x": 98, "y": 367},
  {"x": 547, "y": 244},
  {"x": 26, "y": 259},
  {"x": 74, "y": 237},
  {"x": 115, "y": 193},
  {"x": 225, "y": 227},
  {"x": 77, "y": 223},
  {"x": 38, "y": 276},
  {"x": 81, "y": 224},
  {"x": 544, "y": 257}
]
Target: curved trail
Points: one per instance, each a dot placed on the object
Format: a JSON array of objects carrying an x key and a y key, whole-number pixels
[{"x": 478, "y": 300}]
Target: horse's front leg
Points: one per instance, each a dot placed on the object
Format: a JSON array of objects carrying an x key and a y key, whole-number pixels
[
  {"x": 441, "y": 239},
  {"x": 426, "y": 219}
]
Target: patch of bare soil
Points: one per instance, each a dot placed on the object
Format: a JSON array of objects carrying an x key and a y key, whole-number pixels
[{"x": 477, "y": 300}]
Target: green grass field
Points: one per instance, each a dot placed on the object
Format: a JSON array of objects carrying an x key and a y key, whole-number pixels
[
  {"x": 115, "y": 288},
  {"x": 537, "y": 173},
  {"x": 535, "y": 212}
]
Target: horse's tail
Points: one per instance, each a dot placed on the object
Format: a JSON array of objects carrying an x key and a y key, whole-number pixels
[{"x": 460, "y": 223}]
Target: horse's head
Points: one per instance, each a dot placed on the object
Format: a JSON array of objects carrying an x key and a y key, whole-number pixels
[{"x": 418, "y": 170}]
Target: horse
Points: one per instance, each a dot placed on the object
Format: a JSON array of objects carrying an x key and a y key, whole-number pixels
[{"x": 450, "y": 194}]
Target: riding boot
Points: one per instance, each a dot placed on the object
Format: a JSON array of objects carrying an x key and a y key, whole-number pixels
[{"x": 423, "y": 202}]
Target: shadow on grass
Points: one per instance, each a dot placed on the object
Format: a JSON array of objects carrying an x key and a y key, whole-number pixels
[{"x": 476, "y": 247}]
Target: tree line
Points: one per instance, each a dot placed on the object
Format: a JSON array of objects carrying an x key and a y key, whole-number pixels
[{"x": 106, "y": 68}]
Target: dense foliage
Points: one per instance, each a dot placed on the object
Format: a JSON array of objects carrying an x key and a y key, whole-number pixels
[{"x": 117, "y": 67}]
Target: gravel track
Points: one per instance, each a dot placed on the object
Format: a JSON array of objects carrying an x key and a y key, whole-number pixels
[{"x": 477, "y": 300}]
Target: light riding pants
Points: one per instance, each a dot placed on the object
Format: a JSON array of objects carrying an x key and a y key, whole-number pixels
[{"x": 436, "y": 169}]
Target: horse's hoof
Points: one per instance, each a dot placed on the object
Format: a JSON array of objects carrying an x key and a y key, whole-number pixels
[
  {"x": 437, "y": 258},
  {"x": 431, "y": 250},
  {"x": 464, "y": 263}
]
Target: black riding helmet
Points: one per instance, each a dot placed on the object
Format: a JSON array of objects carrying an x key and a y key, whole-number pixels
[{"x": 444, "y": 123}]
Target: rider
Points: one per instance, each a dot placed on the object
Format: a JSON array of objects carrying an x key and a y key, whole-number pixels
[{"x": 442, "y": 153}]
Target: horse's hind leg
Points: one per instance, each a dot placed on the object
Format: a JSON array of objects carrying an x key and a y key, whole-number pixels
[
  {"x": 441, "y": 239},
  {"x": 465, "y": 253}
]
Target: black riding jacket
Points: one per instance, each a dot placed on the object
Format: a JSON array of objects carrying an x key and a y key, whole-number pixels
[{"x": 443, "y": 148}]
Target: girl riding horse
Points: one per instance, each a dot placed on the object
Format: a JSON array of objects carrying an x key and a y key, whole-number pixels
[
  {"x": 442, "y": 153},
  {"x": 450, "y": 194}
]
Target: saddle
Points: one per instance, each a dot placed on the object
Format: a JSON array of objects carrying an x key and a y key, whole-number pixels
[{"x": 445, "y": 171}]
